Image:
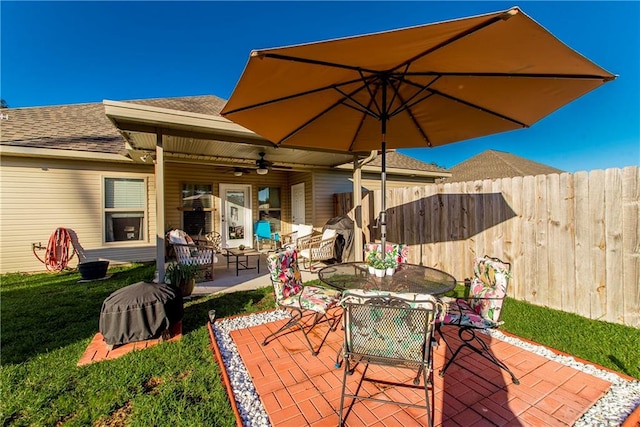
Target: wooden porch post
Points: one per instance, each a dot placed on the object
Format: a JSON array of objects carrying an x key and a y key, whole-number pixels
[{"x": 160, "y": 238}]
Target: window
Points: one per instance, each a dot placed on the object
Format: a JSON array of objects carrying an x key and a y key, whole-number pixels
[
  {"x": 269, "y": 206},
  {"x": 125, "y": 201},
  {"x": 197, "y": 205}
]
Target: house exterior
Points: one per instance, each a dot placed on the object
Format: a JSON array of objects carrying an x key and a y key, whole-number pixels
[{"x": 120, "y": 174}]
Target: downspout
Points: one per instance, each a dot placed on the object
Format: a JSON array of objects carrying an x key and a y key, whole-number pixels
[
  {"x": 357, "y": 203},
  {"x": 160, "y": 238}
]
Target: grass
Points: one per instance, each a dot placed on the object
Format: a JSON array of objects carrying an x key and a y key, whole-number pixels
[{"x": 49, "y": 319}]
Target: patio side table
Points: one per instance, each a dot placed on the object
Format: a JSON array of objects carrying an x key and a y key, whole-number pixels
[{"x": 241, "y": 258}]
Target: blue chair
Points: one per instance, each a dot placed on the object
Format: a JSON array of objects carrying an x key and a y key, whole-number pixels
[{"x": 262, "y": 232}]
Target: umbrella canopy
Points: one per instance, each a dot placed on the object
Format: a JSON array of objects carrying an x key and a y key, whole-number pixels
[{"x": 422, "y": 86}]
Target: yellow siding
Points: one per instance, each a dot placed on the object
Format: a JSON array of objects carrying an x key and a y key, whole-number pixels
[
  {"x": 39, "y": 195},
  {"x": 325, "y": 185}
]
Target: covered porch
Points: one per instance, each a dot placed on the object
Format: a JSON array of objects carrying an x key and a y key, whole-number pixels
[{"x": 188, "y": 148}]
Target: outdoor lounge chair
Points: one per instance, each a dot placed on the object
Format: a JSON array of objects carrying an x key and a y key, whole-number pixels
[
  {"x": 389, "y": 330},
  {"x": 187, "y": 251},
  {"x": 317, "y": 247},
  {"x": 299, "y": 300},
  {"x": 481, "y": 311},
  {"x": 290, "y": 240},
  {"x": 262, "y": 233}
]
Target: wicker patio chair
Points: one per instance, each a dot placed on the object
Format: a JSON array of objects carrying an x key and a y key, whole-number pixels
[
  {"x": 188, "y": 251},
  {"x": 388, "y": 330},
  {"x": 299, "y": 300},
  {"x": 317, "y": 247},
  {"x": 481, "y": 311}
]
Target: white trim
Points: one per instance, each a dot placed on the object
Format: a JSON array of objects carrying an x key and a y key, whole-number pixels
[
  {"x": 146, "y": 114},
  {"x": 7, "y": 150}
]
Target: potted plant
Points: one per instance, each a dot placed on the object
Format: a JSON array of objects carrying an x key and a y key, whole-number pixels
[
  {"x": 371, "y": 258},
  {"x": 182, "y": 277},
  {"x": 390, "y": 265},
  {"x": 241, "y": 247},
  {"x": 379, "y": 266}
]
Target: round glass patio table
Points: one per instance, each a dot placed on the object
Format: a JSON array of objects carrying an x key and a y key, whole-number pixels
[{"x": 408, "y": 278}]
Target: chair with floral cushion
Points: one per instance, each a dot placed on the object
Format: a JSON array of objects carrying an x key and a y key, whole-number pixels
[
  {"x": 481, "y": 311},
  {"x": 389, "y": 329},
  {"x": 299, "y": 300}
]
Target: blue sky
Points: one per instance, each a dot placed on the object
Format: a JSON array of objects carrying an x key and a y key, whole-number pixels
[{"x": 57, "y": 53}]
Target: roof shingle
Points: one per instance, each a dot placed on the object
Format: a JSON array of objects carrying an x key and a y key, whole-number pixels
[
  {"x": 491, "y": 164},
  {"x": 85, "y": 127}
]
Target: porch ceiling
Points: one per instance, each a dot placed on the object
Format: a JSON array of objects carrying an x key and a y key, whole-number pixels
[{"x": 214, "y": 139}]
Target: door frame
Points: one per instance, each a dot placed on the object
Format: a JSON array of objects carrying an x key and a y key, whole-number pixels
[
  {"x": 248, "y": 215},
  {"x": 295, "y": 189}
]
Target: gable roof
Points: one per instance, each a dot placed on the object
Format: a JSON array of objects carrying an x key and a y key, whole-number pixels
[
  {"x": 85, "y": 127},
  {"x": 491, "y": 164}
]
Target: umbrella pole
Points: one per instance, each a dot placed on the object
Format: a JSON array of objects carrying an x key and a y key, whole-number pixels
[{"x": 383, "y": 186}]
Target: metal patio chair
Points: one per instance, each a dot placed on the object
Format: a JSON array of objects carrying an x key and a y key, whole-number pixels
[
  {"x": 299, "y": 300},
  {"x": 388, "y": 330},
  {"x": 481, "y": 311},
  {"x": 262, "y": 233}
]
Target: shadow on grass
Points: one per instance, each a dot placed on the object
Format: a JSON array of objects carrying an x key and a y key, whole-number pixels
[
  {"x": 196, "y": 311},
  {"x": 44, "y": 312}
]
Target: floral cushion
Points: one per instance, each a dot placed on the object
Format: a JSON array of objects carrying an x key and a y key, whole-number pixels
[
  {"x": 288, "y": 286},
  {"x": 285, "y": 275},
  {"x": 313, "y": 298},
  {"x": 486, "y": 296},
  {"x": 388, "y": 331}
]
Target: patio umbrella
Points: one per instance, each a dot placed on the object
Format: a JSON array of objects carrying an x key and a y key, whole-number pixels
[{"x": 421, "y": 86}]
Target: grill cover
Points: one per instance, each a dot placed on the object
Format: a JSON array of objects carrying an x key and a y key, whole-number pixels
[
  {"x": 139, "y": 312},
  {"x": 344, "y": 228}
]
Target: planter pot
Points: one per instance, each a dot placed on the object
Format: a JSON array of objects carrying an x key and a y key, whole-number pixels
[
  {"x": 390, "y": 271},
  {"x": 379, "y": 272},
  {"x": 93, "y": 270},
  {"x": 371, "y": 270},
  {"x": 186, "y": 288}
]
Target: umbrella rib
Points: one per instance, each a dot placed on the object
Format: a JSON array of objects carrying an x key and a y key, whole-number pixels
[
  {"x": 334, "y": 86},
  {"x": 502, "y": 17},
  {"x": 523, "y": 75},
  {"x": 405, "y": 105},
  {"x": 484, "y": 110},
  {"x": 348, "y": 96},
  {"x": 318, "y": 62}
]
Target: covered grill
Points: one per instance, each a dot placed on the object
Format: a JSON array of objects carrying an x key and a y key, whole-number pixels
[
  {"x": 139, "y": 312},
  {"x": 344, "y": 243}
]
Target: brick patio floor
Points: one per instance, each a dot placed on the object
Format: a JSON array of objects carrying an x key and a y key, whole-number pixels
[{"x": 298, "y": 389}]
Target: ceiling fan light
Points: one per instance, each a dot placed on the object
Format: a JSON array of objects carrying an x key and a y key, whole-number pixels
[
  {"x": 262, "y": 171},
  {"x": 237, "y": 173}
]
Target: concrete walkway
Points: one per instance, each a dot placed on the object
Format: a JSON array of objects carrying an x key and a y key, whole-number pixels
[{"x": 225, "y": 280}]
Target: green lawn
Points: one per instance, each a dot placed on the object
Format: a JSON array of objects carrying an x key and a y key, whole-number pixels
[{"x": 48, "y": 320}]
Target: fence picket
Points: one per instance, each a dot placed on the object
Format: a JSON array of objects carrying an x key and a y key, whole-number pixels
[{"x": 573, "y": 239}]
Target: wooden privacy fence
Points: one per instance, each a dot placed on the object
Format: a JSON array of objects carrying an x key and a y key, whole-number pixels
[{"x": 573, "y": 239}]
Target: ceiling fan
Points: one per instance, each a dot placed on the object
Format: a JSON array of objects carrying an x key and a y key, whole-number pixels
[{"x": 263, "y": 165}]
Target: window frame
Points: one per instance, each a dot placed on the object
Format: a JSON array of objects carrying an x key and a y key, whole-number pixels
[
  {"x": 274, "y": 227},
  {"x": 144, "y": 232}
]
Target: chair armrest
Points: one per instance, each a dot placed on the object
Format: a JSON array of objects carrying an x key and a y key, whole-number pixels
[{"x": 308, "y": 241}]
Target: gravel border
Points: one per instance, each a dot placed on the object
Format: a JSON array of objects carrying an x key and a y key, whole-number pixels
[{"x": 611, "y": 410}]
